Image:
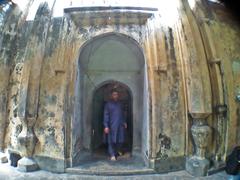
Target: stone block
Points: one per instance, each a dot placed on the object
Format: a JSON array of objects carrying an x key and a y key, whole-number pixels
[
  {"x": 27, "y": 165},
  {"x": 3, "y": 158},
  {"x": 50, "y": 164},
  {"x": 197, "y": 167}
]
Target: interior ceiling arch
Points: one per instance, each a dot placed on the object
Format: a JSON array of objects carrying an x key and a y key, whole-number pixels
[{"x": 111, "y": 53}]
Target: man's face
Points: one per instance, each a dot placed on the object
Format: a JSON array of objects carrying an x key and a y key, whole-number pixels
[{"x": 115, "y": 96}]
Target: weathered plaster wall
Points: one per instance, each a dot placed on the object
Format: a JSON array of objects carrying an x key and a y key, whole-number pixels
[
  {"x": 167, "y": 121},
  {"x": 220, "y": 31},
  {"x": 225, "y": 32},
  {"x": 38, "y": 66}
]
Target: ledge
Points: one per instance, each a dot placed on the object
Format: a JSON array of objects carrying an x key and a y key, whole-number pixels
[
  {"x": 107, "y": 8},
  {"x": 102, "y": 15}
]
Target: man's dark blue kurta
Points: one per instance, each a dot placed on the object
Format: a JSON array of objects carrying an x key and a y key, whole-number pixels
[{"x": 114, "y": 120}]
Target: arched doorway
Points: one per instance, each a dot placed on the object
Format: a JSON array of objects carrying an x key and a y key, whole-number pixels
[
  {"x": 107, "y": 58},
  {"x": 100, "y": 97}
]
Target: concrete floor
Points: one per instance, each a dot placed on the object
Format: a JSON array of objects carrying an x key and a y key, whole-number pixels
[{"x": 8, "y": 172}]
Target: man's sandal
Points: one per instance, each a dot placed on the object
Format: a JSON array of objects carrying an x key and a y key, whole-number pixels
[{"x": 113, "y": 158}]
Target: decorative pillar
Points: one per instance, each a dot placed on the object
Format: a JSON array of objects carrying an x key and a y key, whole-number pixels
[
  {"x": 206, "y": 20},
  {"x": 198, "y": 91},
  {"x": 198, "y": 164},
  {"x": 30, "y": 87},
  {"x": 27, "y": 140}
]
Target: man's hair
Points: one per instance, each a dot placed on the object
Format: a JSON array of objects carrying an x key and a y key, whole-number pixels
[{"x": 114, "y": 91}]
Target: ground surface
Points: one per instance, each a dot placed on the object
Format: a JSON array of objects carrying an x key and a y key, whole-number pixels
[
  {"x": 9, "y": 173},
  {"x": 100, "y": 164}
]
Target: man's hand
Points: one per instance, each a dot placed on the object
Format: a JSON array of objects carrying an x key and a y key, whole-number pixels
[
  {"x": 125, "y": 125},
  {"x": 106, "y": 130}
]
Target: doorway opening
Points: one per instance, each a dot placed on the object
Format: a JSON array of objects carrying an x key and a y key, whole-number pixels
[
  {"x": 100, "y": 97},
  {"x": 105, "y": 61}
]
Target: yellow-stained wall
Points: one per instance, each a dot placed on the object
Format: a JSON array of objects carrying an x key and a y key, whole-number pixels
[{"x": 192, "y": 63}]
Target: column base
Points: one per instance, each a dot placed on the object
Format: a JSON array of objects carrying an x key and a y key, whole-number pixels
[
  {"x": 3, "y": 158},
  {"x": 197, "y": 167},
  {"x": 27, "y": 165}
]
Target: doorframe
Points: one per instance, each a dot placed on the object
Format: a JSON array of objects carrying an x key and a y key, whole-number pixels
[
  {"x": 71, "y": 142},
  {"x": 99, "y": 86}
]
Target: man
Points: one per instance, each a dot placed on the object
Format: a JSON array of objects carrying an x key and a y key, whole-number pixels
[{"x": 114, "y": 125}]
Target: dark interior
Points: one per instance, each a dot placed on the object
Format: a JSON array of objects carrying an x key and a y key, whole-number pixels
[{"x": 101, "y": 96}]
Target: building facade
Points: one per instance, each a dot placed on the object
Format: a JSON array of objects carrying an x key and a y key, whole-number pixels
[{"x": 177, "y": 65}]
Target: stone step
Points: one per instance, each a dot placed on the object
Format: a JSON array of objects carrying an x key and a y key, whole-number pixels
[
  {"x": 100, "y": 164},
  {"x": 110, "y": 172}
]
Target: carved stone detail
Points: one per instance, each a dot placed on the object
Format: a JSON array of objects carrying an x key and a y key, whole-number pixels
[
  {"x": 27, "y": 140},
  {"x": 200, "y": 132},
  {"x": 198, "y": 164}
]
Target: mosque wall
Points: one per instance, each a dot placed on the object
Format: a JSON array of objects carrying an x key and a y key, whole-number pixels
[{"x": 192, "y": 72}]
